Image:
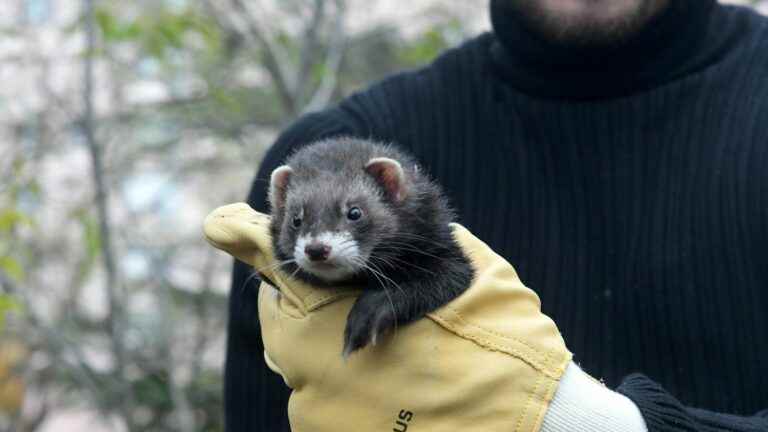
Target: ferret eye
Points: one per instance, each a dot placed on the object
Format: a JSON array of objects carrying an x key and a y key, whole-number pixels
[
  {"x": 296, "y": 222},
  {"x": 354, "y": 214}
]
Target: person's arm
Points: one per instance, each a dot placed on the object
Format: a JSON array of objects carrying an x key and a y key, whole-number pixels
[
  {"x": 581, "y": 403},
  {"x": 255, "y": 398},
  {"x": 638, "y": 405},
  {"x": 663, "y": 413}
]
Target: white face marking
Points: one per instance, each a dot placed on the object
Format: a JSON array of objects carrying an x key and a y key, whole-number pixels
[{"x": 343, "y": 260}]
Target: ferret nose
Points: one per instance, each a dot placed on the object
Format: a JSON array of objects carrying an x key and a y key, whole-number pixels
[{"x": 317, "y": 251}]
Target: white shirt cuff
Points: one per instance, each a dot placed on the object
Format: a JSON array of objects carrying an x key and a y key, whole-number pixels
[{"x": 581, "y": 403}]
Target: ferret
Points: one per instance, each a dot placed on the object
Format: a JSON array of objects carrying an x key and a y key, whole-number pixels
[{"x": 353, "y": 211}]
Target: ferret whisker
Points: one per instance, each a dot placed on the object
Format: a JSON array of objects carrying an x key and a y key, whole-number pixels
[
  {"x": 396, "y": 247},
  {"x": 414, "y": 244},
  {"x": 383, "y": 260},
  {"x": 352, "y": 245},
  {"x": 392, "y": 305},
  {"x": 295, "y": 272},
  {"x": 389, "y": 262},
  {"x": 276, "y": 265},
  {"x": 250, "y": 277},
  {"x": 372, "y": 266},
  {"x": 414, "y": 250},
  {"x": 420, "y": 238},
  {"x": 383, "y": 286}
]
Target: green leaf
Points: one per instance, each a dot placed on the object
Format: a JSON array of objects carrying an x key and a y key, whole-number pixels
[
  {"x": 426, "y": 47},
  {"x": 7, "y": 304},
  {"x": 91, "y": 236},
  {"x": 10, "y": 218},
  {"x": 11, "y": 267},
  {"x": 106, "y": 23}
]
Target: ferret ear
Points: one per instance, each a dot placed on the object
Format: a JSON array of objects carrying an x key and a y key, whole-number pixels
[
  {"x": 390, "y": 175},
  {"x": 278, "y": 184}
]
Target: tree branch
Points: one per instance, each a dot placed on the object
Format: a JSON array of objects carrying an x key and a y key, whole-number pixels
[
  {"x": 182, "y": 411},
  {"x": 271, "y": 62},
  {"x": 309, "y": 49},
  {"x": 336, "y": 48},
  {"x": 114, "y": 318},
  {"x": 58, "y": 346}
]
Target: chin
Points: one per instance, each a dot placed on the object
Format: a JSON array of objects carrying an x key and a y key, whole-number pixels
[
  {"x": 328, "y": 273},
  {"x": 605, "y": 11},
  {"x": 587, "y": 22}
]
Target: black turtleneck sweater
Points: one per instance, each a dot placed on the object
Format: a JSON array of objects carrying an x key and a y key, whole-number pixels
[{"x": 628, "y": 186}]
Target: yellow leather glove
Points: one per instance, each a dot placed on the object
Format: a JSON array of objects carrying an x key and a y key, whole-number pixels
[{"x": 487, "y": 361}]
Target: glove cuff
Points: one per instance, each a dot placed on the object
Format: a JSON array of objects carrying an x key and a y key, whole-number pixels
[{"x": 583, "y": 404}]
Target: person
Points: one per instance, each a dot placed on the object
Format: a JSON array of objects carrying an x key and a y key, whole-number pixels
[{"x": 615, "y": 153}]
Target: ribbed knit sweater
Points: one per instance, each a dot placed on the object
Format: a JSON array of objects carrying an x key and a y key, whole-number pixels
[{"x": 628, "y": 186}]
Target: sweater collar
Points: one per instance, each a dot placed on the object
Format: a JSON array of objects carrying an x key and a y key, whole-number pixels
[{"x": 670, "y": 44}]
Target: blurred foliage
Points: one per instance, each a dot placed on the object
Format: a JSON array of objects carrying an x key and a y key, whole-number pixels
[
  {"x": 12, "y": 218},
  {"x": 7, "y": 304},
  {"x": 159, "y": 31},
  {"x": 12, "y": 387},
  {"x": 189, "y": 94},
  {"x": 13, "y": 188},
  {"x": 428, "y": 45}
]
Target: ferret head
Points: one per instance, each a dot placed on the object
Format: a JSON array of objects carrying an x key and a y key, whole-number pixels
[{"x": 328, "y": 223}]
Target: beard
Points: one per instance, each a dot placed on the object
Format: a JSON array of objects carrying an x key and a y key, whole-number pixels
[{"x": 585, "y": 23}]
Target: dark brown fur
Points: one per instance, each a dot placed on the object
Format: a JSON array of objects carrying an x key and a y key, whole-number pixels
[{"x": 414, "y": 266}]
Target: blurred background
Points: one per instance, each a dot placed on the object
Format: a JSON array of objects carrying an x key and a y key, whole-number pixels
[{"x": 122, "y": 124}]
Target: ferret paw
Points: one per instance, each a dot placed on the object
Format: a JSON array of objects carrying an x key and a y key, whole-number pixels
[{"x": 368, "y": 321}]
